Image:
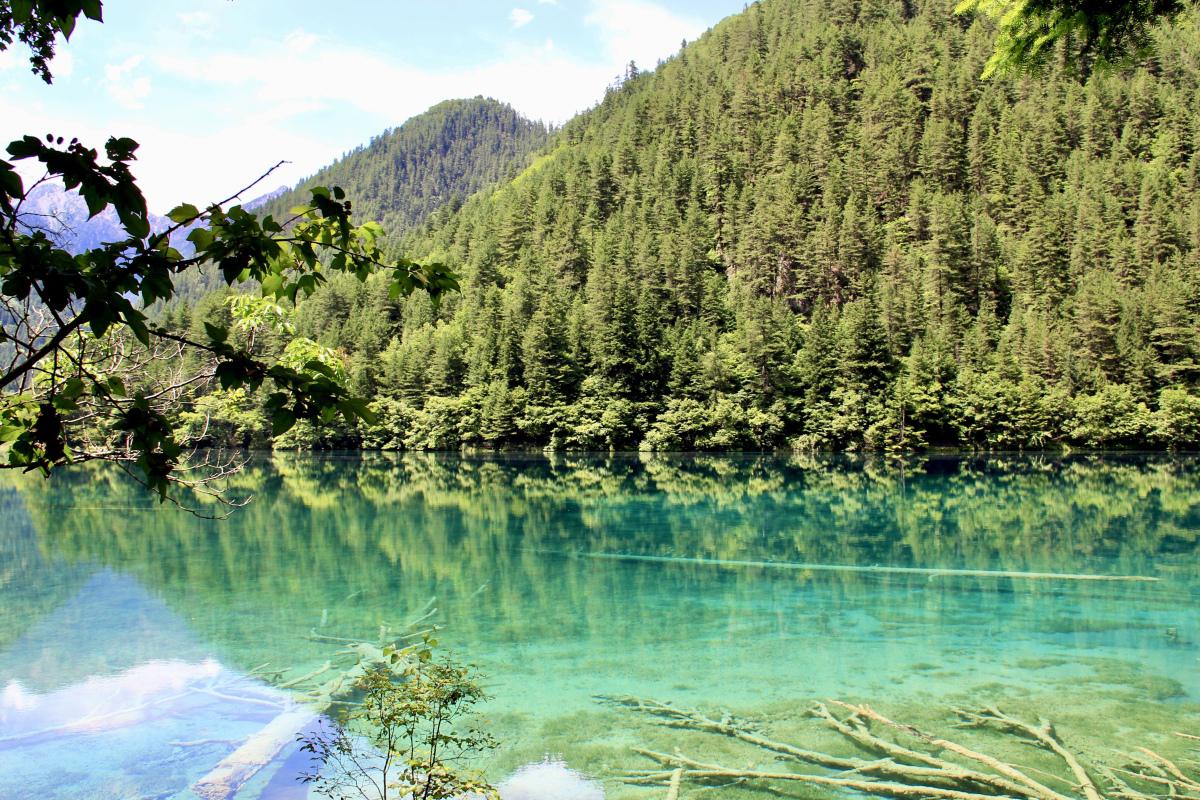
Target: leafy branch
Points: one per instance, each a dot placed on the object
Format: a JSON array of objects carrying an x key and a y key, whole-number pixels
[{"x": 74, "y": 390}]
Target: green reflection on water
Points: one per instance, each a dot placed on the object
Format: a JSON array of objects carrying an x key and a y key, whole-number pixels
[{"x": 341, "y": 546}]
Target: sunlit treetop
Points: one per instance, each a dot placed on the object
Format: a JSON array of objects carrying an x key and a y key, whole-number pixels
[{"x": 1096, "y": 32}]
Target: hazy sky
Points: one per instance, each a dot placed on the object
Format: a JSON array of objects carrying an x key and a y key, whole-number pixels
[{"x": 216, "y": 91}]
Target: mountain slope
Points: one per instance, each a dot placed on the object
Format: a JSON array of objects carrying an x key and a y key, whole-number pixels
[
  {"x": 433, "y": 160},
  {"x": 63, "y": 216},
  {"x": 404, "y": 175},
  {"x": 817, "y": 225},
  {"x": 813, "y": 227}
]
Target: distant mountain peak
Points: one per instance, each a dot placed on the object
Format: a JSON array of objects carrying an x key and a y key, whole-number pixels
[
  {"x": 403, "y": 175},
  {"x": 263, "y": 199}
]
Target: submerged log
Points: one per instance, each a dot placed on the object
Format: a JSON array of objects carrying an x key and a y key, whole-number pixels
[
  {"x": 931, "y": 572},
  {"x": 673, "y": 787},
  {"x": 934, "y": 767},
  {"x": 236, "y": 769},
  {"x": 255, "y": 753}
]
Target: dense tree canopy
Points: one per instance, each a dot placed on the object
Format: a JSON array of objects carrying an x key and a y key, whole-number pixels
[
  {"x": 1092, "y": 31},
  {"x": 436, "y": 159},
  {"x": 815, "y": 226}
]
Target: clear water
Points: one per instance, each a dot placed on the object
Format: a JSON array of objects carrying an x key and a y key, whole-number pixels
[{"x": 127, "y": 628}]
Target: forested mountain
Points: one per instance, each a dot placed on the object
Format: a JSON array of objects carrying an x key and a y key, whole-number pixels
[
  {"x": 814, "y": 226},
  {"x": 430, "y": 162},
  {"x": 436, "y": 159}
]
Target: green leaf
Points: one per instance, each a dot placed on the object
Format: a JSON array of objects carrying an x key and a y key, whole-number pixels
[
  {"x": 10, "y": 181},
  {"x": 137, "y": 324},
  {"x": 137, "y": 225},
  {"x": 25, "y": 147},
  {"x": 65, "y": 404},
  {"x": 72, "y": 388},
  {"x": 183, "y": 213},
  {"x": 313, "y": 365},
  {"x": 95, "y": 201},
  {"x": 272, "y": 284},
  {"x": 215, "y": 332},
  {"x": 120, "y": 149},
  {"x": 282, "y": 421},
  {"x": 202, "y": 238},
  {"x": 22, "y": 11}
]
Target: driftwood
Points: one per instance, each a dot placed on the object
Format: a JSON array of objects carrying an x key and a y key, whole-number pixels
[
  {"x": 898, "y": 760},
  {"x": 312, "y": 699}
]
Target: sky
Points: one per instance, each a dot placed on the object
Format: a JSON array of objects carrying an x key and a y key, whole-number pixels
[{"x": 217, "y": 91}]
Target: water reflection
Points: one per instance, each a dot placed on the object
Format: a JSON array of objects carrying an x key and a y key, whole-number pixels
[{"x": 97, "y": 582}]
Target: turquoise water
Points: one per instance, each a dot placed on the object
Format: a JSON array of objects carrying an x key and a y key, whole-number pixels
[{"x": 756, "y": 584}]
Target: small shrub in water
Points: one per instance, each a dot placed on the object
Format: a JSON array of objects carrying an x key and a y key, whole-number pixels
[{"x": 406, "y": 739}]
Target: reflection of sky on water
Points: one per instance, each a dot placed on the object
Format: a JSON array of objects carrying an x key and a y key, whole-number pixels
[
  {"x": 119, "y": 729},
  {"x": 125, "y": 638},
  {"x": 104, "y": 703},
  {"x": 152, "y": 729}
]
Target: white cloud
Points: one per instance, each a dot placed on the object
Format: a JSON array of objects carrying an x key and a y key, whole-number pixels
[
  {"x": 640, "y": 31},
  {"x": 231, "y": 112},
  {"x": 62, "y": 65},
  {"x": 200, "y": 22},
  {"x": 114, "y": 72},
  {"x": 520, "y": 17},
  {"x": 299, "y": 41},
  {"x": 128, "y": 90}
]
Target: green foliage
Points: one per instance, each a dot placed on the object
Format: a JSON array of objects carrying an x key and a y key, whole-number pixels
[
  {"x": 818, "y": 230},
  {"x": 93, "y": 377},
  {"x": 432, "y": 162},
  {"x": 1107, "y": 31},
  {"x": 1177, "y": 421},
  {"x": 1110, "y": 417},
  {"x": 722, "y": 425},
  {"x": 38, "y": 24},
  {"x": 406, "y": 738},
  {"x": 226, "y": 418}
]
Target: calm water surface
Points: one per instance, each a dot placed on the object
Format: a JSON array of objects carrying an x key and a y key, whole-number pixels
[{"x": 756, "y": 584}]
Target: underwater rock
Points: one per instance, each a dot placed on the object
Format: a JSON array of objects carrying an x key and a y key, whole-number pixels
[{"x": 550, "y": 779}]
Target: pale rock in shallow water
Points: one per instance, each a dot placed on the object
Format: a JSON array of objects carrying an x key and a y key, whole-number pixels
[{"x": 550, "y": 779}]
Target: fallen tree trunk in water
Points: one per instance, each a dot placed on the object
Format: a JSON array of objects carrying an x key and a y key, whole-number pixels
[
  {"x": 906, "y": 762},
  {"x": 236, "y": 769},
  {"x": 931, "y": 572},
  {"x": 239, "y": 767}
]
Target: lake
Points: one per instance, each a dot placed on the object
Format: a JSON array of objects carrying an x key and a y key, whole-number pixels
[{"x": 753, "y": 584}]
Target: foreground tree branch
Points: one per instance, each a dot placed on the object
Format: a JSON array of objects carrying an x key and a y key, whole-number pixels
[{"x": 90, "y": 377}]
